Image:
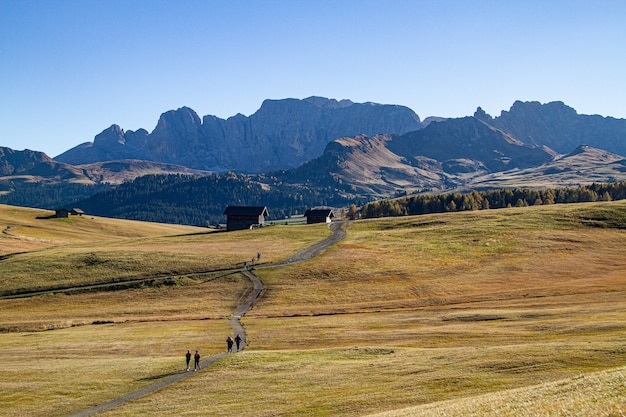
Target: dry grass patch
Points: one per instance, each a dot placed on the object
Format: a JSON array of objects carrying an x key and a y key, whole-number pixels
[
  {"x": 28, "y": 229},
  {"x": 350, "y": 381},
  {"x": 149, "y": 257},
  {"x": 599, "y": 394},
  {"x": 455, "y": 258},
  {"x": 54, "y": 373},
  {"x": 185, "y": 300},
  {"x": 105, "y": 344},
  {"x": 100, "y": 345}
]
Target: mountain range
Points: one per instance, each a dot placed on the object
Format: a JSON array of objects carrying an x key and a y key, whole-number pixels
[
  {"x": 354, "y": 151},
  {"x": 282, "y": 134}
]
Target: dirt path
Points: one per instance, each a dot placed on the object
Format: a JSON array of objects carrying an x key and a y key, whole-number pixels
[{"x": 246, "y": 302}]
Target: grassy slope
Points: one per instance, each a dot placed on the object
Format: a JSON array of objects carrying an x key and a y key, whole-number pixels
[
  {"x": 60, "y": 253},
  {"x": 403, "y": 312},
  {"x": 593, "y": 394}
]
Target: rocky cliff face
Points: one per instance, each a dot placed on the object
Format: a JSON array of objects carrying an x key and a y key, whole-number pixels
[
  {"x": 559, "y": 127},
  {"x": 281, "y": 134}
]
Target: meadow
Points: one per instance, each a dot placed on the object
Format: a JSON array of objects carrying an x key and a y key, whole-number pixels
[{"x": 517, "y": 311}]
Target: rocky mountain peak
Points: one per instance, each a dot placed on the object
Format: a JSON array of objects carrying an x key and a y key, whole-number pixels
[
  {"x": 552, "y": 109},
  {"x": 560, "y": 127},
  {"x": 112, "y": 136},
  {"x": 183, "y": 119},
  {"x": 480, "y": 114},
  {"x": 323, "y": 102}
]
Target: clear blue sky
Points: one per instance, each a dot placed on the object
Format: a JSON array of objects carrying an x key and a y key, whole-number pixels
[{"x": 70, "y": 69}]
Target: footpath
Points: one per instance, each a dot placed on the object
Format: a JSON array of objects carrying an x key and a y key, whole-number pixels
[{"x": 248, "y": 300}]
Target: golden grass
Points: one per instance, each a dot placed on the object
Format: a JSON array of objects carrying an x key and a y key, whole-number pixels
[
  {"x": 88, "y": 250},
  {"x": 105, "y": 344},
  {"x": 26, "y": 229},
  {"x": 594, "y": 394},
  {"x": 401, "y": 315},
  {"x": 55, "y": 373},
  {"x": 352, "y": 381}
]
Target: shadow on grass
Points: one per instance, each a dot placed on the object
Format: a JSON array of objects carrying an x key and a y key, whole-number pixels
[{"x": 155, "y": 377}]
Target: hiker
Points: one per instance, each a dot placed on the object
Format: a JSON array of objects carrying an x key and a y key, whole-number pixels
[
  {"x": 258, "y": 256},
  {"x": 188, "y": 357},
  {"x": 229, "y": 342},
  {"x": 245, "y": 265},
  {"x": 196, "y": 359},
  {"x": 238, "y": 341}
]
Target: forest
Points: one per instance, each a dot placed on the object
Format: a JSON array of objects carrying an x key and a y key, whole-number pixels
[
  {"x": 493, "y": 199},
  {"x": 200, "y": 201}
]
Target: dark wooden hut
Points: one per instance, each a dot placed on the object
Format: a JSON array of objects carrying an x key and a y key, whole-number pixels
[
  {"x": 245, "y": 217},
  {"x": 319, "y": 216}
]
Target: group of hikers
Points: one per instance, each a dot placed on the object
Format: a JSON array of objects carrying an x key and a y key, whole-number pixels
[
  {"x": 230, "y": 341},
  {"x": 196, "y": 357},
  {"x": 247, "y": 266},
  {"x": 196, "y": 360}
]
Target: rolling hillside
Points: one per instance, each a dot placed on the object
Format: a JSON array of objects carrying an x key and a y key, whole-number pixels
[{"x": 448, "y": 313}]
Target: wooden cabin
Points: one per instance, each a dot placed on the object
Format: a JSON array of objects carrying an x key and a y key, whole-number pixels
[
  {"x": 61, "y": 213},
  {"x": 319, "y": 216},
  {"x": 245, "y": 217}
]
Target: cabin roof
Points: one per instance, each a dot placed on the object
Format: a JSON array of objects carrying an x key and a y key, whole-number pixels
[
  {"x": 246, "y": 211},
  {"x": 319, "y": 213}
]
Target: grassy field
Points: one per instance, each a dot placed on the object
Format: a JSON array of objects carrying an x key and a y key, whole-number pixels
[
  {"x": 503, "y": 312},
  {"x": 42, "y": 254}
]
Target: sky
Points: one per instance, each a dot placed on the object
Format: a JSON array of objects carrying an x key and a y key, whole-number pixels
[{"x": 71, "y": 68}]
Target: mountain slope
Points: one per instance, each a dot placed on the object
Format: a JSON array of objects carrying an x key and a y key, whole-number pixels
[
  {"x": 585, "y": 165},
  {"x": 365, "y": 166},
  {"x": 35, "y": 166},
  {"x": 456, "y": 140}
]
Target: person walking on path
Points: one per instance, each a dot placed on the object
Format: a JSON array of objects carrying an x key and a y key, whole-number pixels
[
  {"x": 188, "y": 358},
  {"x": 229, "y": 342},
  {"x": 196, "y": 359},
  {"x": 238, "y": 341}
]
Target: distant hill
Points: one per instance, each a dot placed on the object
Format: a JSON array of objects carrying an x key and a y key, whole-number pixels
[
  {"x": 33, "y": 179},
  {"x": 585, "y": 165},
  {"x": 36, "y": 166},
  {"x": 282, "y": 134},
  {"x": 32, "y": 166}
]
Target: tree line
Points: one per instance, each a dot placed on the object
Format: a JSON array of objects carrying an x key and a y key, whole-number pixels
[
  {"x": 46, "y": 196},
  {"x": 492, "y": 199},
  {"x": 200, "y": 201}
]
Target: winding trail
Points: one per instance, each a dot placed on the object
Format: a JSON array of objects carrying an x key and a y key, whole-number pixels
[{"x": 246, "y": 302}]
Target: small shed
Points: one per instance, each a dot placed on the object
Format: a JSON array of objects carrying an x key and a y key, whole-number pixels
[
  {"x": 319, "y": 216},
  {"x": 76, "y": 212},
  {"x": 245, "y": 217},
  {"x": 61, "y": 213}
]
